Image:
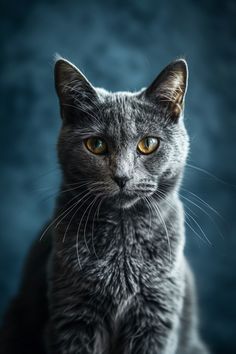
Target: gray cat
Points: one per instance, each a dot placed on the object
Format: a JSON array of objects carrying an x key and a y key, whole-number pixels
[{"x": 118, "y": 281}]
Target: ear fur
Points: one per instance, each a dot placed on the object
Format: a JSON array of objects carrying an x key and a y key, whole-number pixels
[
  {"x": 72, "y": 87},
  {"x": 169, "y": 88}
]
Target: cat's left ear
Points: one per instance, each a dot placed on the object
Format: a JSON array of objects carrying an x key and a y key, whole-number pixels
[
  {"x": 74, "y": 91},
  {"x": 169, "y": 89}
]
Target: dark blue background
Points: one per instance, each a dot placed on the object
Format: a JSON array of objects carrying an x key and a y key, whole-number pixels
[{"x": 123, "y": 45}]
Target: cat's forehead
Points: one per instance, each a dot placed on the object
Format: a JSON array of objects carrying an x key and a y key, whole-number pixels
[
  {"x": 118, "y": 115},
  {"x": 127, "y": 113},
  {"x": 123, "y": 102}
]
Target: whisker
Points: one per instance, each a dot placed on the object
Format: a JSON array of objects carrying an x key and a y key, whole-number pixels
[
  {"x": 68, "y": 226},
  {"x": 79, "y": 185},
  {"x": 57, "y": 218},
  {"x": 204, "y": 212},
  {"x": 204, "y": 203},
  {"x": 209, "y": 174},
  {"x": 53, "y": 170},
  {"x": 86, "y": 222},
  {"x": 77, "y": 235},
  {"x": 155, "y": 206},
  {"x": 76, "y": 203},
  {"x": 149, "y": 211},
  {"x": 189, "y": 216},
  {"x": 200, "y": 228},
  {"x": 193, "y": 230},
  {"x": 94, "y": 216},
  {"x": 93, "y": 188}
]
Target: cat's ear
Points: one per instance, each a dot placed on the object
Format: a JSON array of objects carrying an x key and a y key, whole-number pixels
[
  {"x": 74, "y": 91},
  {"x": 169, "y": 89}
]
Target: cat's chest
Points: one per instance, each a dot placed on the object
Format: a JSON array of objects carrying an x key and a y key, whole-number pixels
[
  {"x": 114, "y": 256},
  {"x": 120, "y": 274},
  {"x": 124, "y": 263}
]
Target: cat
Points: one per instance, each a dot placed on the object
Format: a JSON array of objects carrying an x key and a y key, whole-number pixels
[{"x": 109, "y": 275}]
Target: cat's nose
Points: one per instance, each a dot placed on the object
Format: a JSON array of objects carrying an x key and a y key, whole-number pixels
[{"x": 121, "y": 180}]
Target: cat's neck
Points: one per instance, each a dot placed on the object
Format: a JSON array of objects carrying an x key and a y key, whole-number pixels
[{"x": 146, "y": 227}]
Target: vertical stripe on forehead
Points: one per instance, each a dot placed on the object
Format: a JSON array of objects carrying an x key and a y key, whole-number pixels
[{"x": 124, "y": 115}]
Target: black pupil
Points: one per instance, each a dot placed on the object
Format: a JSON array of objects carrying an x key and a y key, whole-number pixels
[
  {"x": 97, "y": 143},
  {"x": 149, "y": 142}
]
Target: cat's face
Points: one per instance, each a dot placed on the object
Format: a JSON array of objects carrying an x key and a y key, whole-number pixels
[{"x": 122, "y": 146}]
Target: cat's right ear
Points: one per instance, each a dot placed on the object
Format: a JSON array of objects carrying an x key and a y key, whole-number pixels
[
  {"x": 168, "y": 90},
  {"x": 76, "y": 94}
]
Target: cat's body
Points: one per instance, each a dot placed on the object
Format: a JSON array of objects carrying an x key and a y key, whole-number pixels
[
  {"x": 118, "y": 282},
  {"x": 127, "y": 283}
]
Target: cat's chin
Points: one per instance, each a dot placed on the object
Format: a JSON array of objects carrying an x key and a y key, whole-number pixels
[{"x": 125, "y": 201}]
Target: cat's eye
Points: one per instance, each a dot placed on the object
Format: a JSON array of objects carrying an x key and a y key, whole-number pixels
[
  {"x": 148, "y": 145},
  {"x": 96, "y": 145}
]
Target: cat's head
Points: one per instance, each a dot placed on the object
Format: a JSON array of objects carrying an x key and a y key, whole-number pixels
[{"x": 122, "y": 146}]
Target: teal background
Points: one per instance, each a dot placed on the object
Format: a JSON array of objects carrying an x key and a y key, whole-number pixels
[{"x": 123, "y": 45}]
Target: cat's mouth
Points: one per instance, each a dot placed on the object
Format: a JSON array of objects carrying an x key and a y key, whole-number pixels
[{"x": 126, "y": 198}]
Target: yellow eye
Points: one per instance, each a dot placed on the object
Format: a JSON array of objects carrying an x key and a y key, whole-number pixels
[
  {"x": 148, "y": 145},
  {"x": 96, "y": 145}
]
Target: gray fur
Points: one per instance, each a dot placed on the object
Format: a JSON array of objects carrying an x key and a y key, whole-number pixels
[{"x": 118, "y": 278}]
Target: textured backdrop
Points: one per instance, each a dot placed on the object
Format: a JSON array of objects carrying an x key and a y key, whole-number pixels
[{"x": 123, "y": 45}]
